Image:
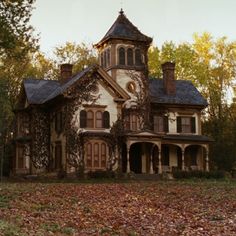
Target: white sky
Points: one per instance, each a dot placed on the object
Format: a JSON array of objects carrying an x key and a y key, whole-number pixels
[{"x": 59, "y": 21}]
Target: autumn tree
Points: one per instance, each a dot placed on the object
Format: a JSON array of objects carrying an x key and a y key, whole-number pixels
[{"x": 80, "y": 55}]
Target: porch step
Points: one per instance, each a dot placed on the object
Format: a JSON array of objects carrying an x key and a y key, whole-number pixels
[{"x": 163, "y": 176}]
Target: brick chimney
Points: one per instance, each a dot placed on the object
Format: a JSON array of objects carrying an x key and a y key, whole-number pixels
[
  {"x": 168, "y": 69},
  {"x": 66, "y": 72}
]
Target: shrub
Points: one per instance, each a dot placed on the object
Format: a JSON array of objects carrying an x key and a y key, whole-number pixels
[
  {"x": 61, "y": 174},
  {"x": 179, "y": 174},
  {"x": 99, "y": 174}
]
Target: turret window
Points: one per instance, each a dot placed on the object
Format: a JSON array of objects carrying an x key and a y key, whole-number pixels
[
  {"x": 130, "y": 57},
  {"x": 138, "y": 59},
  {"x": 121, "y": 56}
]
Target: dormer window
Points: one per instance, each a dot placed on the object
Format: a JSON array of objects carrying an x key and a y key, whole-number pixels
[{"x": 121, "y": 56}]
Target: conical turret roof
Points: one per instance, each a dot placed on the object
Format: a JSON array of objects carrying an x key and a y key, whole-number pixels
[{"x": 122, "y": 28}]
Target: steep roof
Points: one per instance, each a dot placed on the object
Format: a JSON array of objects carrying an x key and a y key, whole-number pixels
[
  {"x": 186, "y": 93},
  {"x": 41, "y": 91},
  {"x": 122, "y": 28}
]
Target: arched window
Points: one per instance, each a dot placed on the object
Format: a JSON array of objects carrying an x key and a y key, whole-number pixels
[
  {"x": 108, "y": 58},
  {"x": 96, "y": 155},
  {"x": 83, "y": 119},
  {"x": 138, "y": 59},
  {"x": 130, "y": 57},
  {"x": 90, "y": 118},
  {"x": 98, "y": 119},
  {"x": 105, "y": 59},
  {"x": 121, "y": 56},
  {"x": 101, "y": 57},
  {"x": 106, "y": 119},
  {"x": 103, "y": 155},
  {"x": 89, "y": 155}
]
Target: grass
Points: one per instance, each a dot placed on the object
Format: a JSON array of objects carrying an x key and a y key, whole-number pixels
[{"x": 108, "y": 207}]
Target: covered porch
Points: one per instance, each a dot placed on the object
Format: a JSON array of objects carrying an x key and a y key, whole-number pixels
[{"x": 148, "y": 153}]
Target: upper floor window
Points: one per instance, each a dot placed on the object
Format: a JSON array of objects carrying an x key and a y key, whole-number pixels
[
  {"x": 138, "y": 58},
  {"x": 105, "y": 58},
  {"x": 121, "y": 56},
  {"x": 102, "y": 61},
  {"x": 132, "y": 122},
  {"x": 130, "y": 57},
  {"x": 186, "y": 124},
  {"x": 94, "y": 119},
  {"x": 160, "y": 124}
]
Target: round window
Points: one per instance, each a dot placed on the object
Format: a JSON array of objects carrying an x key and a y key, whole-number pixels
[{"x": 131, "y": 87}]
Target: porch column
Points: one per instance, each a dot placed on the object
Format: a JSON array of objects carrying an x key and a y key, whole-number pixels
[
  {"x": 128, "y": 163},
  {"x": 183, "y": 166},
  {"x": 159, "y": 162},
  {"x": 207, "y": 161}
]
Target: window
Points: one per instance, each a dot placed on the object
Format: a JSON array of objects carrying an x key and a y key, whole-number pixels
[
  {"x": 105, "y": 59},
  {"x": 58, "y": 155},
  {"x": 121, "y": 56},
  {"x": 94, "y": 119},
  {"x": 131, "y": 87},
  {"x": 96, "y": 155},
  {"x": 58, "y": 122},
  {"x": 130, "y": 57},
  {"x": 160, "y": 124},
  {"x": 89, "y": 155},
  {"x": 186, "y": 125},
  {"x": 132, "y": 122},
  {"x": 103, "y": 155},
  {"x": 90, "y": 119},
  {"x": 108, "y": 58},
  {"x": 101, "y": 56},
  {"x": 98, "y": 119},
  {"x": 138, "y": 59}
]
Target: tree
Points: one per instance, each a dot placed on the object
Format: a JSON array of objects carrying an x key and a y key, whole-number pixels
[
  {"x": 80, "y": 55},
  {"x": 15, "y": 32}
]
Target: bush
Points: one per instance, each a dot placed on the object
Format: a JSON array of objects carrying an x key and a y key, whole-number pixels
[
  {"x": 61, "y": 174},
  {"x": 99, "y": 174},
  {"x": 179, "y": 174}
]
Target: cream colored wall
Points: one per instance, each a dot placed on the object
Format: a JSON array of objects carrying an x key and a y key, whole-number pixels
[{"x": 104, "y": 99}]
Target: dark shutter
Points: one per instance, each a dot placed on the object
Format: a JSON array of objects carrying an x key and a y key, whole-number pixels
[
  {"x": 166, "y": 124},
  {"x": 179, "y": 128},
  {"x": 193, "y": 125},
  {"x": 106, "y": 119},
  {"x": 83, "y": 119},
  {"x": 138, "y": 59},
  {"x": 152, "y": 122}
]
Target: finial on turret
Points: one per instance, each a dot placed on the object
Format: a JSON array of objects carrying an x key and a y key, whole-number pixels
[{"x": 121, "y": 11}]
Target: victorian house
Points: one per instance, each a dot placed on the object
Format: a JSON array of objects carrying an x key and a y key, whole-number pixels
[{"x": 166, "y": 136}]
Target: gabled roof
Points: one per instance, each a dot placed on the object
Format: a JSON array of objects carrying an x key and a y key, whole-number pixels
[
  {"x": 122, "y": 28},
  {"x": 41, "y": 91},
  {"x": 186, "y": 94}
]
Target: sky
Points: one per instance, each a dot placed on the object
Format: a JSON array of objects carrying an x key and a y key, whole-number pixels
[{"x": 60, "y": 21}]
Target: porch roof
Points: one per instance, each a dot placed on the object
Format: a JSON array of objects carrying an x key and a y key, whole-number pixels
[{"x": 196, "y": 138}]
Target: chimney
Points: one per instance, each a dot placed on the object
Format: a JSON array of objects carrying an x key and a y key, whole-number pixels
[
  {"x": 66, "y": 72},
  {"x": 168, "y": 69}
]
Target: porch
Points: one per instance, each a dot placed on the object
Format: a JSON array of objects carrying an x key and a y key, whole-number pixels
[{"x": 153, "y": 155}]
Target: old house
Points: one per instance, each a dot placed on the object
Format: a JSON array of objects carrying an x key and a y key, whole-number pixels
[{"x": 161, "y": 117}]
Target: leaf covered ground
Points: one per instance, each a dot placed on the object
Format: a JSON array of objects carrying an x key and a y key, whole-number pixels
[{"x": 144, "y": 208}]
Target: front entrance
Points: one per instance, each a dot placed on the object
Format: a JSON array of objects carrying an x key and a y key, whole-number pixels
[{"x": 136, "y": 158}]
